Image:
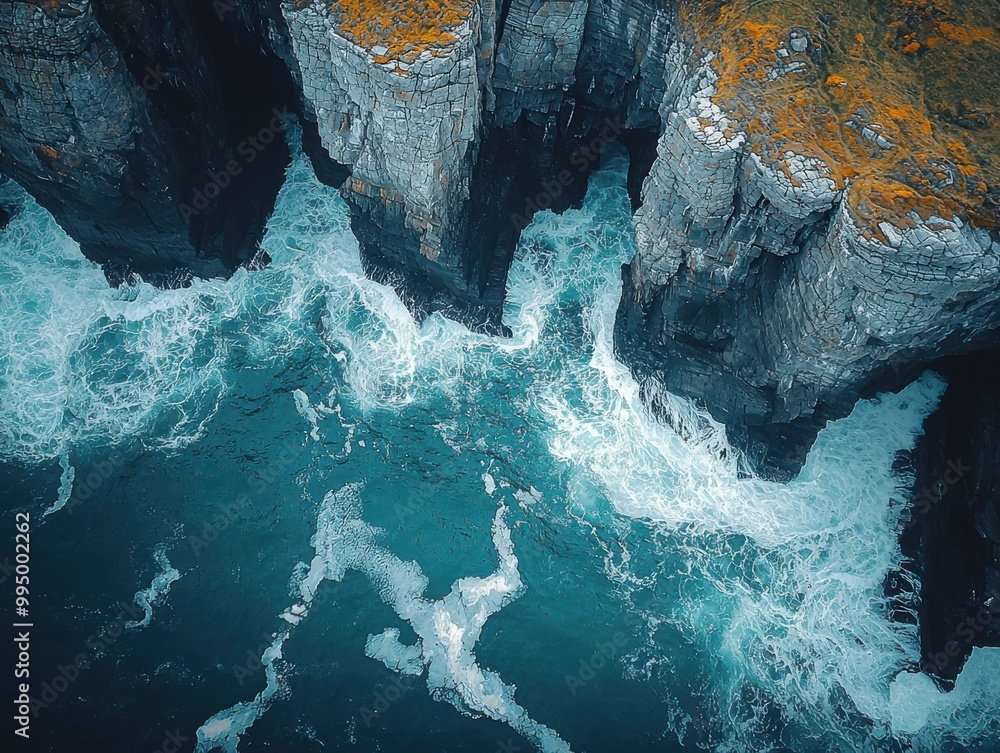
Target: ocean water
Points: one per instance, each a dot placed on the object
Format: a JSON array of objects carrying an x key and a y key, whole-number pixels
[{"x": 274, "y": 513}]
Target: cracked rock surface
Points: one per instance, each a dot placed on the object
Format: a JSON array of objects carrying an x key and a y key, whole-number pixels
[
  {"x": 761, "y": 291},
  {"x": 113, "y": 116}
]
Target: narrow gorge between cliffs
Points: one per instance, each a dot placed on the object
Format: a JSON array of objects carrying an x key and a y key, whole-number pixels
[
  {"x": 488, "y": 376},
  {"x": 350, "y": 530}
]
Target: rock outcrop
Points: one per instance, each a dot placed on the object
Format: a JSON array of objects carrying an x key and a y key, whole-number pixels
[
  {"x": 132, "y": 124},
  {"x": 793, "y": 254},
  {"x": 818, "y": 218},
  {"x": 459, "y": 120}
]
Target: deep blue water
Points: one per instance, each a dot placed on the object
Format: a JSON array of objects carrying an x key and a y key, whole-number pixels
[{"x": 434, "y": 540}]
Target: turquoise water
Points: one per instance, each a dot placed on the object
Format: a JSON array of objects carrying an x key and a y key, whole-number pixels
[{"x": 347, "y": 531}]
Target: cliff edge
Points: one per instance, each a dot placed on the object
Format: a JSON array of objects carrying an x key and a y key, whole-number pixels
[{"x": 821, "y": 218}]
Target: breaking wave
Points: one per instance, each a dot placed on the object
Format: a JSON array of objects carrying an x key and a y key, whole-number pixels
[{"x": 780, "y": 587}]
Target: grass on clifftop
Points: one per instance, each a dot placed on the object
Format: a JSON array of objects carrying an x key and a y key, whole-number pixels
[{"x": 923, "y": 75}]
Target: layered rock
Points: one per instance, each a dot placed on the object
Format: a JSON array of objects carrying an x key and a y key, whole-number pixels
[
  {"x": 401, "y": 107},
  {"x": 806, "y": 234},
  {"x": 791, "y": 258},
  {"x": 459, "y": 121},
  {"x": 118, "y": 117}
]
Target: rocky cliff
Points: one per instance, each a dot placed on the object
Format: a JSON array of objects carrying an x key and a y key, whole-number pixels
[
  {"x": 133, "y": 124},
  {"x": 952, "y": 537},
  {"x": 821, "y": 215},
  {"x": 816, "y": 184},
  {"x": 818, "y": 219},
  {"x": 460, "y": 119}
]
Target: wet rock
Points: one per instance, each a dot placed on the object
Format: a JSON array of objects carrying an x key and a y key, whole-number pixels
[
  {"x": 497, "y": 119},
  {"x": 952, "y": 535},
  {"x": 125, "y": 119},
  {"x": 758, "y": 292}
]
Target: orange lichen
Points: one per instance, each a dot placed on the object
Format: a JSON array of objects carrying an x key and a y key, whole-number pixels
[
  {"x": 405, "y": 28},
  {"x": 861, "y": 84},
  {"x": 966, "y": 34},
  {"x": 48, "y": 151}
]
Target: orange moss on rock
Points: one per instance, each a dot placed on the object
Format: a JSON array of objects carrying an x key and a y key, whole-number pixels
[
  {"x": 873, "y": 70},
  {"x": 405, "y": 28}
]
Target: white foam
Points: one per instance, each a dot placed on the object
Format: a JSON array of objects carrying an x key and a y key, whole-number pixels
[
  {"x": 308, "y": 412},
  {"x": 66, "y": 479},
  {"x": 927, "y": 717},
  {"x": 224, "y": 730},
  {"x": 157, "y": 591},
  {"x": 808, "y": 627},
  {"x": 386, "y": 648},
  {"x": 489, "y": 483},
  {"x": 83, "y": 364}
]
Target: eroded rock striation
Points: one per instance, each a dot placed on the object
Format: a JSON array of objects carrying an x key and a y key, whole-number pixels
[
  {"x": 811, "y": 230},
  {"x": 952, "y": 537},
  {"x": 460, "y": 119},
  {"x": 129, "y": 122},
  {"x": 817, "y": 221}
]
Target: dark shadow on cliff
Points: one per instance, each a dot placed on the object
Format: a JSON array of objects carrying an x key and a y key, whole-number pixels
[
  {"x": 518, "y": 170},
  {"x": 214, "y": 89},
  {"x": 952, "y": 540}
]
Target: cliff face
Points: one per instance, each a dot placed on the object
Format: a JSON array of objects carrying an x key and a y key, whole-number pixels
[
  {"x": 123, "y": 119},
  {"x": 953, "y": 535},
  {"x": 460, "y": 120},
  {"x": 817, "y": 221},
  {"x": 806, "y": 238}
]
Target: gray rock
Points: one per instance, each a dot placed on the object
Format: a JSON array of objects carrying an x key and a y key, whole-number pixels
[
  {"x": 112, "y": 117},
  {"x": 756, "y": 291}
]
